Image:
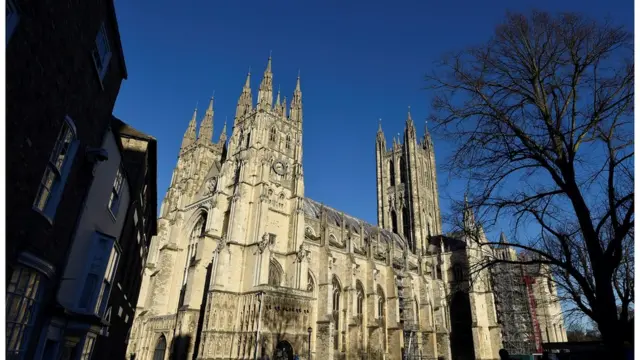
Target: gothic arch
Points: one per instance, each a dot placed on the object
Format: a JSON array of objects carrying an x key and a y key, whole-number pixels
[
  {"x": 275, "y": 273},
  {"x": 359, "y": 298},
  {"x": 193, "y": 219},
  {"x": 381, "y": 303},
  {"x": 160, "y": 349}
]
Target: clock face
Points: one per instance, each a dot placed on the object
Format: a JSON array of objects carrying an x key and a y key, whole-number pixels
[{"x": 279, "y": 168}]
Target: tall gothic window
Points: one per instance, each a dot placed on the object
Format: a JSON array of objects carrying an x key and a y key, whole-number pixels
[
  {"x": 161, "y": 347},
  {"x": 392, "y": 173},
  {"x": 287, "y": 143},
  {"x": 381, "y": 303},
  {"x": 359, "y": 298},
  {"x": 197, "y": 232},
  {"x": 336, "y": 313},
  {"x": 272, "y": 135},
  {"x": 394, "y": 221},
  {"x": 275, "y": 274},
  {"x": 403, "y": 171}
]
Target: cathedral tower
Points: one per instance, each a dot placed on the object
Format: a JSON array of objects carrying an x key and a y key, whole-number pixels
[{"x": 407, "y": 188}]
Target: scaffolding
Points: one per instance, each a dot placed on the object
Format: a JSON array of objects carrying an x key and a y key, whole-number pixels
[
  {"x": 407, "y": 317},
  {"x": 513, "y": 309}
]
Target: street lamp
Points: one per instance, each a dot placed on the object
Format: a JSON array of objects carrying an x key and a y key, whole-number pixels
[{"x": 309, "y": 330}]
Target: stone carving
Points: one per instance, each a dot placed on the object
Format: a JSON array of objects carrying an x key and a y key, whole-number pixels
[
  {"x": 302, "y": 253},
  {"x": 222, "y": 244},
  {"x": 211, "y": 185},
  {"x": 263, "y": 243}
]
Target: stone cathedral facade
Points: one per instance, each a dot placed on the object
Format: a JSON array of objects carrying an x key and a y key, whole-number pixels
[{"x": 245, "y": 265}]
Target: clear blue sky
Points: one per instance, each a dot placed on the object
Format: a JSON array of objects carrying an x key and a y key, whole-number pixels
[{"x": 359, "y": 61}]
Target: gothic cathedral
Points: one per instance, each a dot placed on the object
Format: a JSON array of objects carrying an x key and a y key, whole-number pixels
[{"x": 244, "y": 265}]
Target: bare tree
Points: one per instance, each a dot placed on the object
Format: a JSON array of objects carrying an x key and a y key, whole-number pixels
[{"x": 542, "y": 119}]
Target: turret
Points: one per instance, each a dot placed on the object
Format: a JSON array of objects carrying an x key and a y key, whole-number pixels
[
  {"x": 265, "y": 92},
  {"x": 205, "y": 135},
  {"x": 245, "y": 103},
  {"x": 296, "y": 103},
  {"x": 190, "y": 135}
]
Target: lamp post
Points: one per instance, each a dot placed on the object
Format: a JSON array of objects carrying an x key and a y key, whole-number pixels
[{"x": 309, "y": 330}]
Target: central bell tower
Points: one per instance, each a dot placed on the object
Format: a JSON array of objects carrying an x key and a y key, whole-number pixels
[{"x": 407, "y": 188}]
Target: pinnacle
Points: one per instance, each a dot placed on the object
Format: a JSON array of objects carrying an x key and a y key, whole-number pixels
[
  {"x": 268, "y": 64},
  {"x": 247, "y": 83}
]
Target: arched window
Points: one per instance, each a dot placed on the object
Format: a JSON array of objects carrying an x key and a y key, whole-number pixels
[
  {"x": 392, "y": 173},
  {"x": 336, "y": 312},
  {"x": 359, "y": 298},
  {"x": 161, "y": 347},
  {"x": 394, "y": 221},
  {"x": 287, "y": 143},
  {"x": 248, "y": 139},
  {"x": 272, "y": 134},
  {"x": 197, "y": 232},
  {"x": 275, "y": 274},
  {"x": 550, "y": 286},
  {"x": 381, "y": 303}
]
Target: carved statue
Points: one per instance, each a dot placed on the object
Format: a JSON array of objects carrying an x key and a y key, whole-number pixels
[
  {"x": 302, "y": 252},
  {"x": 263, "y": 243},
  {"x": 211, "y": 185}
]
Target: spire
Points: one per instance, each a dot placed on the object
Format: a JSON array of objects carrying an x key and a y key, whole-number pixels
[
  {"x": 190, "y": 135},
  {"x": 265, "y": 93},
  {"x": 467, "y": 216},
  {"x": 503, "y": 239},
  {"x": 410, "y": 129},
  {"x": 296, "y": 103},
  {"x": 278, "y": 98},
  {"x": 223, "y": 133},
  {"x": 245, "y": 103},
  {"x": 206, "y": 127}
]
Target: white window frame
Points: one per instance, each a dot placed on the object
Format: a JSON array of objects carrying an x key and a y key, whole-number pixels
[
  {"x": 115, "y": 196},
  {"x": 57, "y": 170},
  {"x": 12, "y": 18},
  {"x": 88, "y": 345},
  {"x": 101, "y": 52},
  {"x": 22, "y": 307},
  {"x": 99, "y": 274}
]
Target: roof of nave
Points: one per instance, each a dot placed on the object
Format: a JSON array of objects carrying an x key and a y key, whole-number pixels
[{"x": 312, "y": 209}]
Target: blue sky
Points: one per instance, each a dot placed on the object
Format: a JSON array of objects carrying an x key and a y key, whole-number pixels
[{"x": 359, "y": 61}]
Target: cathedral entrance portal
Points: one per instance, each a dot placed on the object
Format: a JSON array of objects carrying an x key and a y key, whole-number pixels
[
  {"x": 284, "y": 351},
  {"x": 461, "y": 331}
]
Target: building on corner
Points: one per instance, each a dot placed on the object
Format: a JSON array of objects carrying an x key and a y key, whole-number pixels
[{"x": 68, "y": 192}]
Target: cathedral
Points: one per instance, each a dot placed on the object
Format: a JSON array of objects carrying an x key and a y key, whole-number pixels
[{"x": 245, "y": 266}]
